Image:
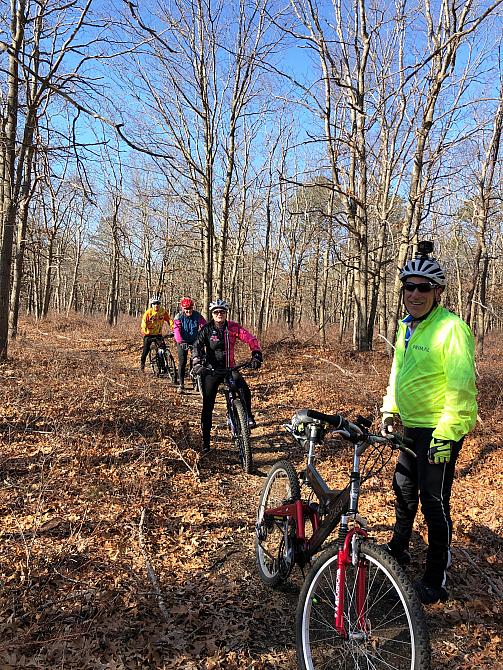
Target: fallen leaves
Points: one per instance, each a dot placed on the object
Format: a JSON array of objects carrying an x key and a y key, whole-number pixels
[{"x": 87, "y": 444}]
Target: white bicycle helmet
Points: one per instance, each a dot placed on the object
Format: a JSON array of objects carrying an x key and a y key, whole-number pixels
[
  {"x": 424, "y": 266},
  {"x": 155, "y": 300},
  {"x": 219, "y": 304}
]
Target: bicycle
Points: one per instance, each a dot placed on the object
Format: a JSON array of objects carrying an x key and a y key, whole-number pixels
[
  {"x": 161, "y": 359},
  {"x": 194, "y": 378},
  {"x": 237, "y": 415},
  {"x": 357, "y": 608}
]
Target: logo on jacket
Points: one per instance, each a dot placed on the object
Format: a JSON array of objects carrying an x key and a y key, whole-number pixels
[{"x": 420, "y": 347}]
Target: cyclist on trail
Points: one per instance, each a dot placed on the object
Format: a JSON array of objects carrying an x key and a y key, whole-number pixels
[
  {"x": 214, "y": 346},
  {"x": 187, "y": 322},
  {"x": 432, "y": 389},
  {"x": 151, "y": 327}
]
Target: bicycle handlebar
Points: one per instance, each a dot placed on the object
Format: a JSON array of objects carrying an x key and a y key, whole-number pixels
[
  {"x": 357, "y": 433},
  {"x": 225, "y": 371},
  {"x": 395, "y": 440},
  {"x": 334, "y": 420}
]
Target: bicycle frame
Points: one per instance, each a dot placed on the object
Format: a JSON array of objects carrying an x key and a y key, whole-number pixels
[{"x": 337, "y": 505}]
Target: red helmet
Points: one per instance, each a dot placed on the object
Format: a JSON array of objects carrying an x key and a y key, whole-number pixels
[{"x": 186, "y": 303}]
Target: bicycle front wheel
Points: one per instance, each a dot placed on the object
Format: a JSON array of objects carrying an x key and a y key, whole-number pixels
[
  {"x": 154, "y": 360},
  {"x": 242, "y": 435},
  {"x": 384, "y": 623},
  {"x": 273, "y": 554},
  {"x": 171, "y": 367}
]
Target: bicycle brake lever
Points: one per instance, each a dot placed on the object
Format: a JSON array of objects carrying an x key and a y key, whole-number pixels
[
  {"x": 408, "y": 451},
  {"x": 399, "y": 442}
]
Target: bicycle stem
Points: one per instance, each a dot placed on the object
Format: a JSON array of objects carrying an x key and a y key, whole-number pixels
[
  {"x": 312, "y": 441},
  {"x": 354, "y": 492}
]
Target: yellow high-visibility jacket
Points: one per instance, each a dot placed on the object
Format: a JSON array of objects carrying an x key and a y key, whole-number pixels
[
  {"x": 432, "y": 381},
  {"x": 151, "y": 323}
]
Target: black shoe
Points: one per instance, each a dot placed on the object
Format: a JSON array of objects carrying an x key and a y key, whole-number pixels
[
  {"x": 251, "y": 423},
  {"x": 205, "y": 449},
  {"x": 181, "y": 389},
  {"x": 429, "y": 595},
  {"x": 401, "y": 556}
]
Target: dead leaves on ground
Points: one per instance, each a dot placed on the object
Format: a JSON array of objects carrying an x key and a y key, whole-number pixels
[{"x": 89, "y": 448}]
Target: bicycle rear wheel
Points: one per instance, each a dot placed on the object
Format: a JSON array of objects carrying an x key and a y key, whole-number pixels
[
  {"x": 273, "y": 555},
  {"x": 393, "y": 635},
  {"x": 242, "y": 435}
]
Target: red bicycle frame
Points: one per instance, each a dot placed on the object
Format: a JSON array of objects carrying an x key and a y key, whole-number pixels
[
  {"x": 298, "y": 511},
  {"x": 344, "y": 558}
]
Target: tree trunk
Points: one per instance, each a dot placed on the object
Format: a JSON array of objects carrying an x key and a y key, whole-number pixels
[{"x": 8, "y": 205}]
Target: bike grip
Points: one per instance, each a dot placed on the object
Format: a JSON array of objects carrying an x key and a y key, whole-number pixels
[{"x": 334, "y": 420}]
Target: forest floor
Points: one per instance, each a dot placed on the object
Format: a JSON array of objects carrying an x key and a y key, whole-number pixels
[{"x": 120, "y": 550}]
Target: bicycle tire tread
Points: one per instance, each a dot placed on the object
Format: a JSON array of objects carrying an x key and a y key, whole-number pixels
[
  {"x": 275, "y": 580},
  {"x": 244, "y": 436}
]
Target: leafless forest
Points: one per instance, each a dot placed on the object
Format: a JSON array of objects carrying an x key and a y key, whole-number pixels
[{"x": 287, "y": 156}]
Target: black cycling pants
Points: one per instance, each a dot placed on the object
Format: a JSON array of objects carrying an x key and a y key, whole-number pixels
[
  {"x": 147, "y": 341},
  {"x": 182, "y": 362},
  {"x": 418, "y": 480},
  {"x": 210, "y": 384}
]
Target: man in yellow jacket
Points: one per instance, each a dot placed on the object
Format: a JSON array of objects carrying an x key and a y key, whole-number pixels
[
  {"x": 432, "y": 388},
  {"x": 151, "y": 327}
]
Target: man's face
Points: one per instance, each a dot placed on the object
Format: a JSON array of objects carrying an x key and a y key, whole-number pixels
[
  {"x": 419, "y": 303},
  {"x": 188, "y": 310},
  {"x": 156, "y": 306}
]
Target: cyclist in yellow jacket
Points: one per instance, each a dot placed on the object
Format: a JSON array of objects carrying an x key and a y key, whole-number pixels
[
  {"x": 432, "y": 389},
  {"x": 151, "y": 327}
]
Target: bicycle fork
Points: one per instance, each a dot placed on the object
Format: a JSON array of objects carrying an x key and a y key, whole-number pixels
[{"x": 347, "y": 554}]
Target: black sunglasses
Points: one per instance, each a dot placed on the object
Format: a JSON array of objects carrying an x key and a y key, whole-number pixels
[
  {"x": 219, "y": 311},
  {"x": 424, "y": 287}
]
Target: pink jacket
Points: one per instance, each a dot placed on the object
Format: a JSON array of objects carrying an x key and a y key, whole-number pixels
[
  {"x": 209, "y": 335},
  {"x": 237, "y": 332}
]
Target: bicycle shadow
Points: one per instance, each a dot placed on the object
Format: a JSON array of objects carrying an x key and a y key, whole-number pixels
[{"x": 485, "y": 451}]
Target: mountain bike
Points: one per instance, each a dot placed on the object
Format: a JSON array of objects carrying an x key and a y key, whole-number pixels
[
  {"x": 195, "y": 379},
  {"x": 357, "y": 608},
  {"x": 237, "y": 414},
  {"x": 161, "y": 359}
]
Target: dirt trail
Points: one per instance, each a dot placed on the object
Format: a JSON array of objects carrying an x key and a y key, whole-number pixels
[{"x": 102, "y": 514}]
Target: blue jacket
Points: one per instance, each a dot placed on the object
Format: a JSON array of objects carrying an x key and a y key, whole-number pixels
[{"x": 187, "y": 327}]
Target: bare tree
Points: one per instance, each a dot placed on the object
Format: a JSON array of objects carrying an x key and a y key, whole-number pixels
[
  {"x": 42, "y": 37},
  {"x": 483, "y": 203}
]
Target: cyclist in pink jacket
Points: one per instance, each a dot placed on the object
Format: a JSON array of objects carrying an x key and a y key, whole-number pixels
[
  {"x": 186, "y": 326},
  {"x": 214, "y": 347}
]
